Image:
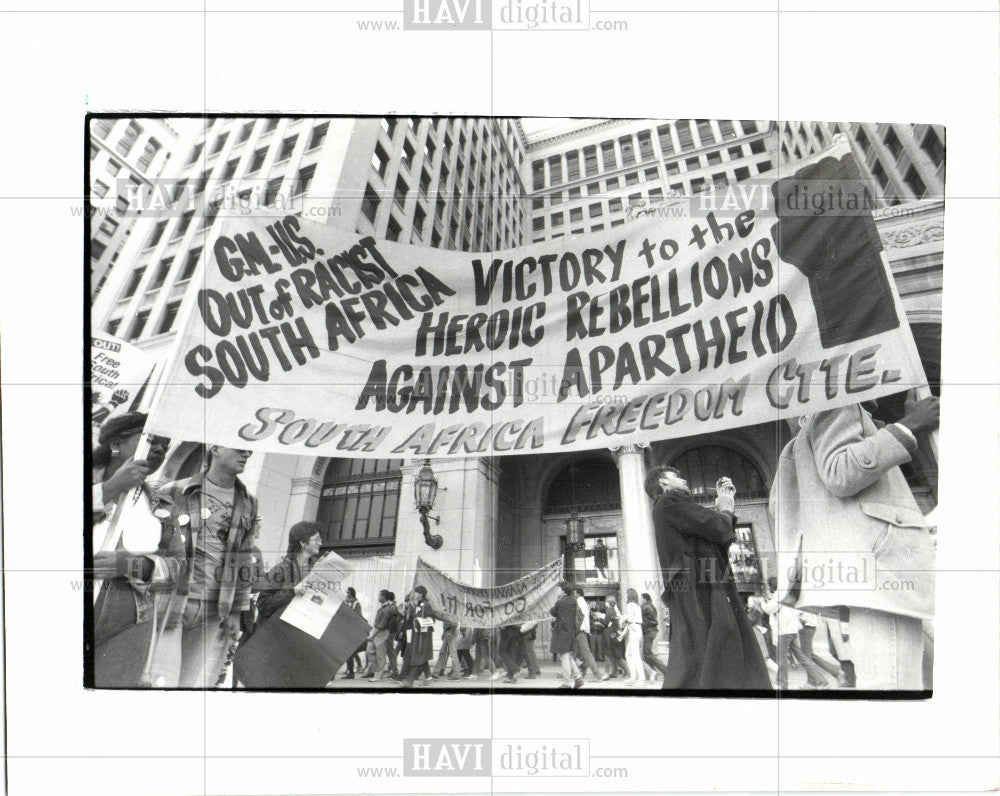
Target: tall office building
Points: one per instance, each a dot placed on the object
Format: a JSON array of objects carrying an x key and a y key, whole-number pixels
[
  {"x": 585, "y": 176},
  {"x": 905, "y": 162},
  {"x": 126, "y": 155}
]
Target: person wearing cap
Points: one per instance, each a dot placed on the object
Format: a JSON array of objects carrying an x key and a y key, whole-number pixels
[
  {"x": 712, "y": 645},
  {"x": 420, "y": 638},
  {"x": 214, "y": 520},
  {"x": 137, "y": 567}
]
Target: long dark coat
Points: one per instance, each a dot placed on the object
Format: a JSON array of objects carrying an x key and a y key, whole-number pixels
[
  {"x": 712, "y": 644},
  {"x": 567, "y": 623},
  {"x": 420, "y": 649}
]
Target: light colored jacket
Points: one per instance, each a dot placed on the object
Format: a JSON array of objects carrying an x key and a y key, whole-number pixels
[{"x": 847, "y": 525}]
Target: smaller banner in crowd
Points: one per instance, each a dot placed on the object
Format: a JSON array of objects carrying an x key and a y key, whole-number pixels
[
  {"x": 527, "y": 599},
  {"x": 118, "y": 372},
  {"x": 305, "y": 645}
]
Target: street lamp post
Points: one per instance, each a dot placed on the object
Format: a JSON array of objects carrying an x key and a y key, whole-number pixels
[
  {"x": 574, "y": 539},
  {"x": 425, "y": 488}
]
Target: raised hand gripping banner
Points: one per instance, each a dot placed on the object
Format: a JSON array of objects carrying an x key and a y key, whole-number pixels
[
  {"x": 526, "y": 599},
  {"x": 702, "y": 316}
]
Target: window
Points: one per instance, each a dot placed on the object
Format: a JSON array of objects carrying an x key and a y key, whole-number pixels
[
  {"x": 608, "y": 153},
  {"x": 286, "y": 148},
  {"x": 537, "y": 224},
  {"x": 557, "y": 219},
  {"x": 666, "y": 142},
  {"x": 109, "y": 226},
  {"x": 112, "y": 326},
  {"x": 230, "y": 169},
  {"x": 735, "y": 152},
  {"x": 538, "y": 175},
  {"x": 726, "y": 130},
  {"x": 818, "y": 132},
  {"x": 597, "y": 227},
  {"x": 615, "y": 206},
  {"x": 408, "y": 153},
  {"x": 862, "y": 140},
  {"x": 138, "y": 325},
  {"x": 537, "y": 203},
  {"x": 133, "y": 283},
  {"x": 272, "y": 124},
  {"x": 933, "y": 147},
  {"x": 757, "y": 147},
  {"x": 304, "y": 179},
  {"x": 369, "y": 205},
  {"x": 100, "y": 189},
  {"x": 271, "y": 191},
  {"x": 161, "y": 273},
  {"x": 555, "y": 198},
  {"x": 128, "y": 138},
  {"x": 258, "y": 160},
  {"x": 402, "y": 189},
  {"x": 912, "y": 179},
  {"x": 655, "y": 194},
  {"x": 219, "y": 143},
  {"x": 749, "y": 127},
  {"x": 149, "y": 152},
  {"x": 419, "y": 216},
  {"x": 572, "y": 166},
  {"x": 705, "y": 132},
  {"x": 97, "y": 250},
  {"x": 102, "y": 127},
  {"x": 742, "y": 173},
  {"x": 893, "y": 144},
  {"x": 183, "y": 224},
  {"x": 645, "y": 145},
  {"x": 318, "y": 135},
  {"x": 684, "y": 134},
  {"x": 121, "y": 205},
  {"x": 195, "y": 154},
  {"x": 764, "y": 165},
  {"x": 593, "y": 188},
  {"x": 697, "y": 185},
  {"x": 595, "y": 210},
  {"x": 590, "y": 160},
  {"x": 632, "y": 178},
  {"x": 393, "y": 230},
  {"x": 714, "y": 158},
  {"x": 425, "y": 182},
  {"x": 673, "y": 168},
  {"x": 190, "y": 263},
  {"x": 169, "y": 316},
  {"x": 613, "y": 183},
  {"x": 702, "y": 467},
  {"x": 380, "y": 160},
  {"x": 555, "y": 170},
  {"x": 573, "y": 193},
  {"x": 245, "y": 131},
  {"x": 651, "y": 174},
  {"x": 628, "y": 150},
  {"x": 156, "y": 234},
  {"x": 576, "y": 214},
  {"x": 435, "y": 238},
  {"x": 429, "y": 150},
  {"x": 359, "y": 502},
  {"x": 692, "y": 164},
  {"x": 879, "y": 174}
]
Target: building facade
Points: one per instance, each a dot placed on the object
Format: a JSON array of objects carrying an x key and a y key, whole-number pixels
[
  {"x": 476, "y": 185},
  {"x": 126, "y": 155}
]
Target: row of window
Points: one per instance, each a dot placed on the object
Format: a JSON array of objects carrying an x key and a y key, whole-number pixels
[
  {"x": 102, "y": 129},
  {"x": 634, "y": 149}
]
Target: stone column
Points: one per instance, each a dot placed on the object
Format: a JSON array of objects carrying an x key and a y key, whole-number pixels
[{"x": 638, "y": 561}]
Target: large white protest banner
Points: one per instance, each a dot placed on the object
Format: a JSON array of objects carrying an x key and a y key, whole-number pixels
[
  {"x": 769, "y": 302},
  {"x": 118, "y": 370},
  {"x": 526, "y": 599}
]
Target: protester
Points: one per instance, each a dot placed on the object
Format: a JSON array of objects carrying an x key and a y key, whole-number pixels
[
  {"x": 614, "y": 625},
  {"x": 484, "y": 655},
  {"x": 509, "y": 649},
  {"x": 213, "y": 515},
  {"x": 464, "y": 645},
  {"x": 140, "y": 566},
  {"x": 282, "y": 580},
  {"x": 527, "y": 648},
  {"x": 838, "y": 487},
  {"x": 785, "y": 624},
  {"x": 395, "y": 644},
  {"x": 632, "y": 636},
  {"x": 598, "y": 642},
  {"x": 564, "y": 634},
  {"x": 379, "y": 638},
  {"x": 449, "y": 652},
  {"x": 650, "y": 630},
  {"x": 420, "y": 638},
  {"x": 713, "y": 648},
  {"x": 354, "y": 659},
  {"x": 582, "y": 645}
]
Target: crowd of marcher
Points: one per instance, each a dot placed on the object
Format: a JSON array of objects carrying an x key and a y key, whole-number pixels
[{"x": 182, "y": 582}]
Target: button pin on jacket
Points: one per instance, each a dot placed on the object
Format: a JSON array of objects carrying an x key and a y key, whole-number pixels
[
  {"x": 183, "y": 519},
  {"x": 206, "y": 513}
]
